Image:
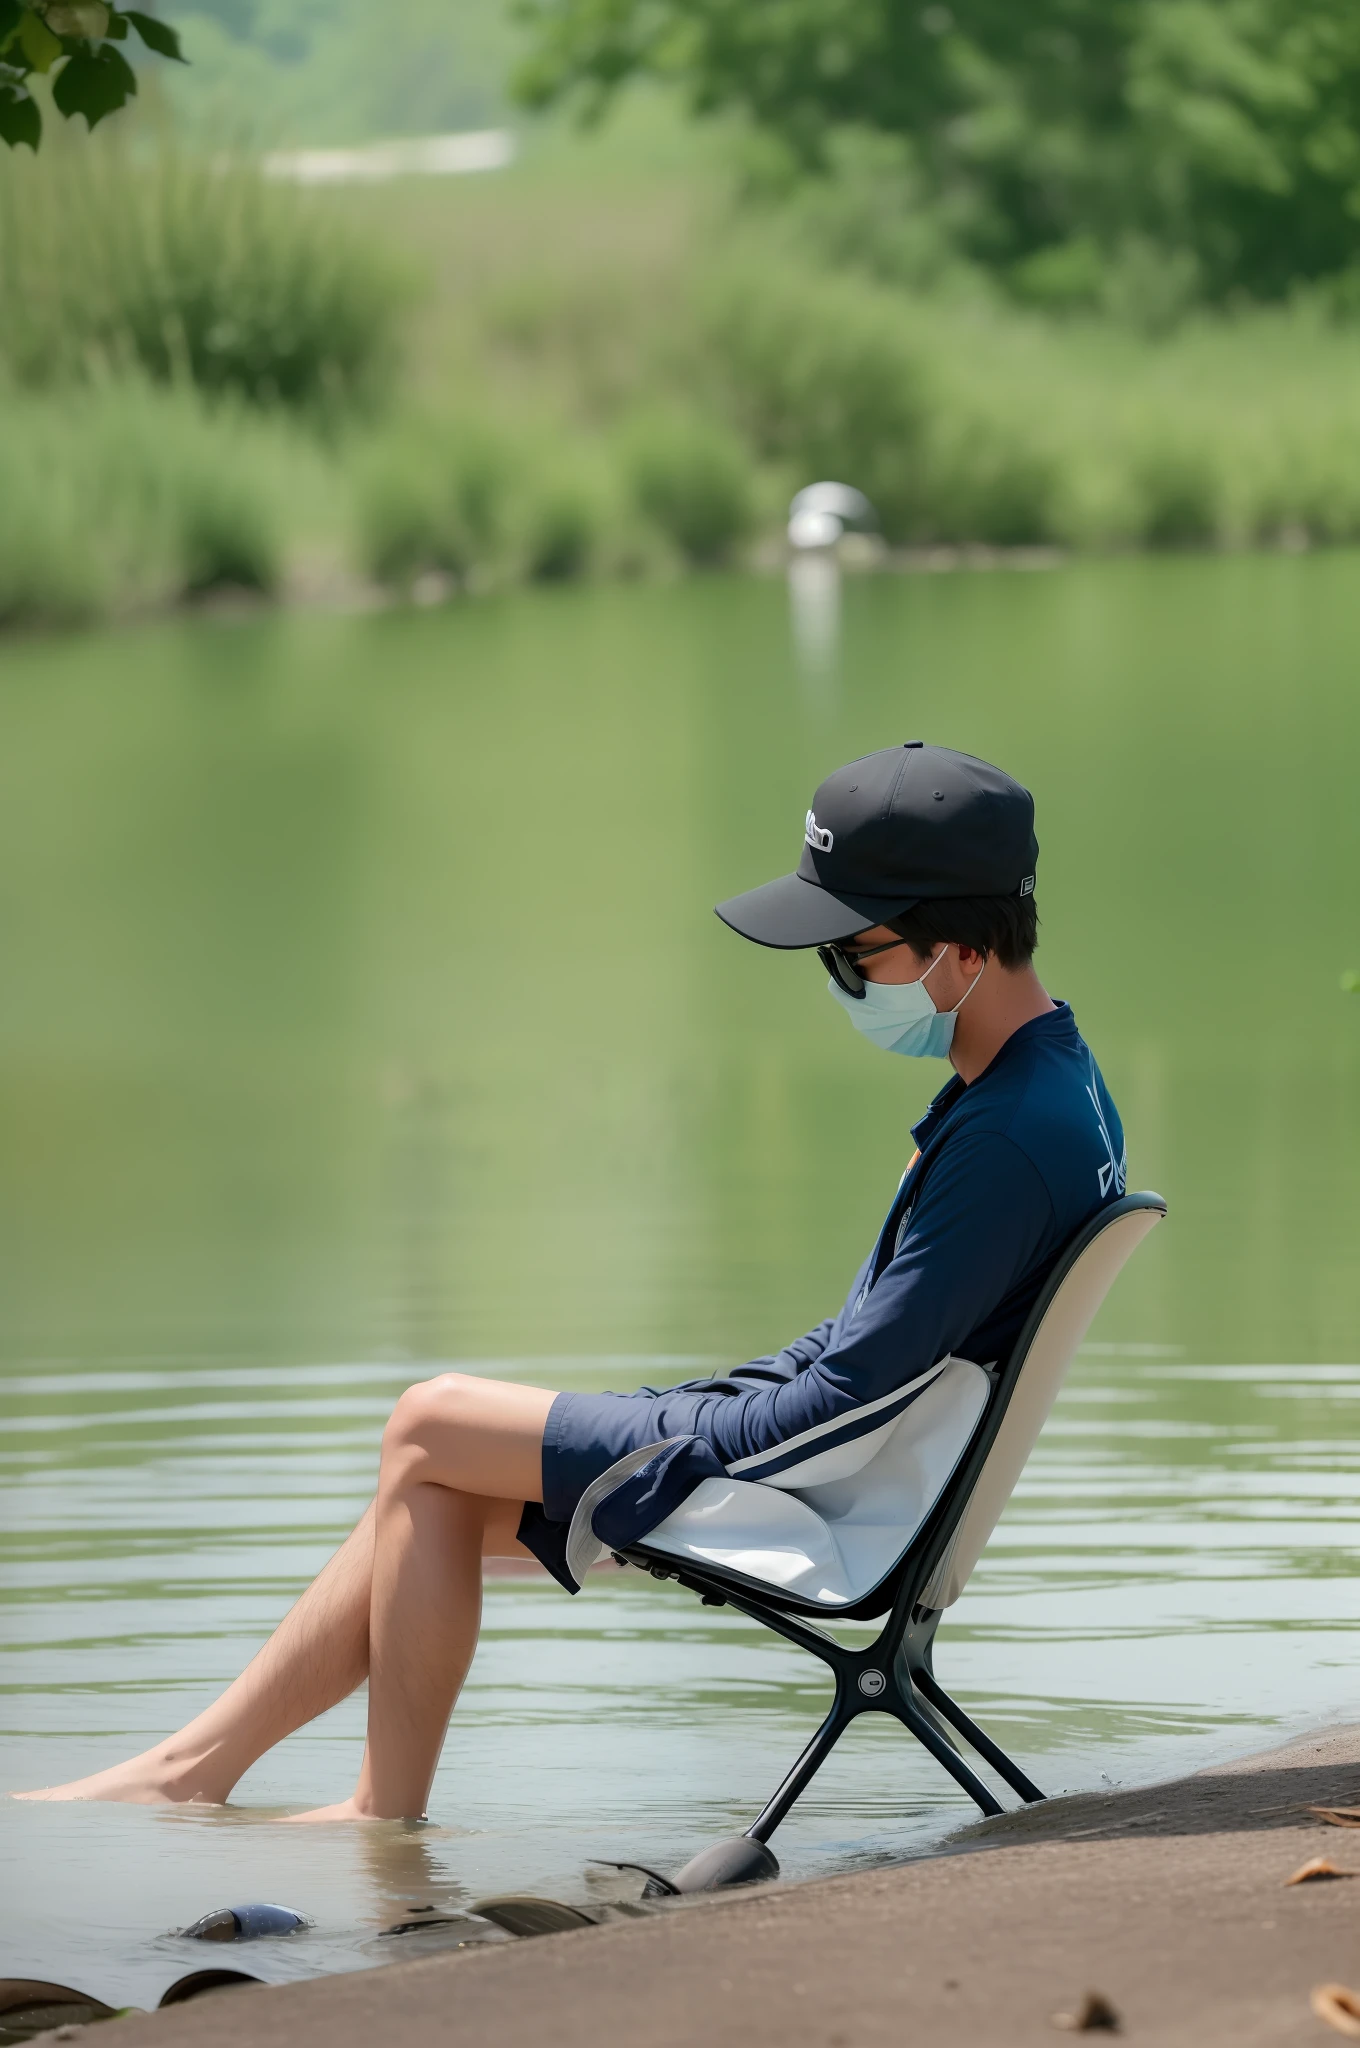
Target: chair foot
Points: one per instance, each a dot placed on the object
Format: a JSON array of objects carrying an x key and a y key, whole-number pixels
[{"x": 738, "y": 1860}]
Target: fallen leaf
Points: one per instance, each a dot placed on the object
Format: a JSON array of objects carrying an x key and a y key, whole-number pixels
[
  {"x": 1339, "y": 2006},
  {"x": 1318, "y": 1869},
  {"x": 1336, "y": 1816},
  {"x": 1095, "y": 2015}
]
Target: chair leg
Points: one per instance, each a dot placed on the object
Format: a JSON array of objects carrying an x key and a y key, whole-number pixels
[
  {"x": 913, "y": 1696},
  {"x": 806, "y": 1768},
  {"x": 944, "y": 1752},
  {"x": 926, "y": 1683},
  {"x": 918, "y": 1723}
]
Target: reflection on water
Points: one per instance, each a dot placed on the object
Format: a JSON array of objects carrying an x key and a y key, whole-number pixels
[
  {"x": 814, "y": 578},
  {"x": 363, "y": 1002}
]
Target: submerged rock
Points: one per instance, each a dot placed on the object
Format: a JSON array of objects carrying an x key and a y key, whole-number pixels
[{"x": 245, "y": 1923}]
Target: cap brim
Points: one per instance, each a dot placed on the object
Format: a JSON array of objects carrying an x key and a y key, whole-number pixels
[{"x": 791, "y": 912}]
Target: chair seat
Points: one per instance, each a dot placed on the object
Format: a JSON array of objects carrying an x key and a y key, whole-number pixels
[{"x": 833, "y": 1540}]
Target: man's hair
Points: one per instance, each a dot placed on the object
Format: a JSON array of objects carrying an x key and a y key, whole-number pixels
[{"x": 1004, "y": 926}]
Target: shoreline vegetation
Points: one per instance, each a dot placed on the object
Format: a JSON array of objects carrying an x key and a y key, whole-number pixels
[{"x": 601, "y": 362}]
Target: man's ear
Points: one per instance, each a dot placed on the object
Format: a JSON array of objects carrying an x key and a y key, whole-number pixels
[{"x": 970, "y": 959}]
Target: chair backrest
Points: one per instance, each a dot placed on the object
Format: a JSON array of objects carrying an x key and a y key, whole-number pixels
[{"x": 1029, "y": 1385}]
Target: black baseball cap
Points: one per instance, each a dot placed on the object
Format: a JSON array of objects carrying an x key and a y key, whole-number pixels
[{"x": 891, "y": 830}]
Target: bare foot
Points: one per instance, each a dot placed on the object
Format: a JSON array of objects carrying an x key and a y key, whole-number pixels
[
  {"x": 152, "y": 1779},
  {"x": 345, "y": 1809}
]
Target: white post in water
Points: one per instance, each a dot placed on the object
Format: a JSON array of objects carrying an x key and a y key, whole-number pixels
[{"x": 818, "y": 517}]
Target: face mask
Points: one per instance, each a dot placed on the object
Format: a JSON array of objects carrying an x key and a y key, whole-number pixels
[{"x": 900, "y": 1017}]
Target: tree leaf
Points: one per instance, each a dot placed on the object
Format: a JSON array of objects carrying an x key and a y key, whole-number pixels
[
  {"x": 117, "y": 28},
  {"x": 11, "y": 16},
  {"x": 157, "y": 35},
  {"x": 94, "y": 83},
  {"x": 37, "y": 41},
  {"x": 20, "y": 120},
  {"x": 78, "y": 18}
]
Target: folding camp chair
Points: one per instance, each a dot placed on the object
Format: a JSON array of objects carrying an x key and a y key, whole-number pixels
[{"x": 893, "y": 1523}]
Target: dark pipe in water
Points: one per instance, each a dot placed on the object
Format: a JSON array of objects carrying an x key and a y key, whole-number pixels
[
  {"x": 30, "y": 2005},
  {"x": 200, "y": 1981},
  {"x": 528, "y": 1916}
]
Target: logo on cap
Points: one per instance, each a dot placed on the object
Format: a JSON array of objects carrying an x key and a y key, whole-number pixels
[
  {"x": 1026, "y": 887},
  {"x": 818, "y": 835}
]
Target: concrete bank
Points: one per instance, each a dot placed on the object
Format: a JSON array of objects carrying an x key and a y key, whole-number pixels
[{"x": 1170, "y": 1901}]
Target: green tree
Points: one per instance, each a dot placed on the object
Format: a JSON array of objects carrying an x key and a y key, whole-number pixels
[
  {"x": 1057, "y": 137},
  {"x": 76, "y": 44}
]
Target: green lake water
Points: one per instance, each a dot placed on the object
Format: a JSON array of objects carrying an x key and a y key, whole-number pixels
[{"x": 362, "y": 1010}]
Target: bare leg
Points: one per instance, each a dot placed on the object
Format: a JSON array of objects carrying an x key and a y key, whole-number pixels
[
  {"x": 459, "y": 1459},
  {"x": 320, "y": 1651},
  {"x": 316, "y": 1656}
]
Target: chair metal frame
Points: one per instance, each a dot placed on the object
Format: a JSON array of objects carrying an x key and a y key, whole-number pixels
[{"x": 894, "y": 1674}]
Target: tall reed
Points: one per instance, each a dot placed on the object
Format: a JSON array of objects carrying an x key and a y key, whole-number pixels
[{"x": 190, "y": 270}]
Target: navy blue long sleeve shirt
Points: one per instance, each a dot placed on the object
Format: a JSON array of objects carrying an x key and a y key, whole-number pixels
[{"x": 1009, "y": 1168}]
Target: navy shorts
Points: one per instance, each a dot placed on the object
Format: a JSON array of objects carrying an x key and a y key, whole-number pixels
[{"x": 587, "y": 1433}]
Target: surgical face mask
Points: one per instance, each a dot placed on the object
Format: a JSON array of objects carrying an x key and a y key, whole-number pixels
[{"x": 900, "y": 1017}]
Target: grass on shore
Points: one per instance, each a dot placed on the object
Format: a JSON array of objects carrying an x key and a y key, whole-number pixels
[{"x": 121, "y": 497}]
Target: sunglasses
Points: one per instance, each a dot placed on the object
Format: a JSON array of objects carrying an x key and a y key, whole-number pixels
[{"x": 840, "y": 964}]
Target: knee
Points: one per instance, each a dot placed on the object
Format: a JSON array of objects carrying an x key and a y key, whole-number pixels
[{"x": 425, "y": 1411}]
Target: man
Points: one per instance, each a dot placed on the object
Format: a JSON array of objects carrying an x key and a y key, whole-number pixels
[{"x": 916, "y": 890}]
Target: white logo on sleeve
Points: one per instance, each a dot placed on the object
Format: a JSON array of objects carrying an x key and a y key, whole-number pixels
[
  {"x": 1112, "y": 1173},
  {"x": 818, "y": 835}
]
